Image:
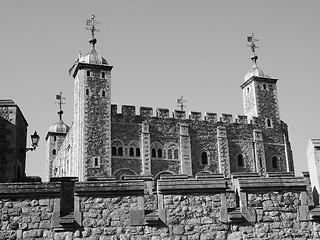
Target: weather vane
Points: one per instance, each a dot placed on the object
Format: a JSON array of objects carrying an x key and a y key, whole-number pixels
[
  {"x": 92, "y": 25},
  {"x": 60, "y": 99},
  {"x": 251, "y": 39},
  {"x": 181, "y": 102}
]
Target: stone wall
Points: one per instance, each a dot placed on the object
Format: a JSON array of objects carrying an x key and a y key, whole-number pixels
[{"x": 207, "y": 207}]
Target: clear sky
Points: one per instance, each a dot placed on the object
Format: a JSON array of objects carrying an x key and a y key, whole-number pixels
[{"x": 160, "y": 50}]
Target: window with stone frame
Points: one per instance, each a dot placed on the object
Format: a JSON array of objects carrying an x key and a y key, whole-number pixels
[
  {"x": 138, "y": 152},
  {"x": 176, "y": 154},
  {"x": 103, "y": 93},
  {"x": 96, "y": 161},
  {"x": 204, "y": 158},
  {"x": 274, "y": 162},
  {"x": 268, "y": 123},
  {"x": 169, "y": 153},
  {"x": 131, "y": 151},
  {"x": 156, "y": 150},
  {"x": 117, "y": 148},
  {"x": 103, "y": 75},
  {"x": 240, "y": 160}
]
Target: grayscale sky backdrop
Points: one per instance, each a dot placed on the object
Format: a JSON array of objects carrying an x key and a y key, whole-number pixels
[{"x": 160, "y": 50}]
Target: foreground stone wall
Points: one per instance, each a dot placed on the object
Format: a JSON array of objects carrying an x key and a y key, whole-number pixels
[{"x": 207, "y": 207}]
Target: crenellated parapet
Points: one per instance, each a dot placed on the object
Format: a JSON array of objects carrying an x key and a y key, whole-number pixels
[{"x": 129, "y": 111}]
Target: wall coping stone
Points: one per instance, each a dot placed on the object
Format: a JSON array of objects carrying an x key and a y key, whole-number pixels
[
  {"x": 280, "y": 174},
  {"x": 132, "y": 187},
  {"x": 138, "y": 177},
  {"x": 29, "y": 189},
  {"x": 236, "y": 175},
  {"x": 192, "y": 185},
  {"x": 176, "y": 176},
  {"x": 271, "y": 184}
]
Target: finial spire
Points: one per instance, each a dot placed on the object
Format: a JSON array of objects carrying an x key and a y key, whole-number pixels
[
  {"x": 60, "y": 99},
  {"x": 251, "y": 39},
  {"x": 180, "y": 102},
  {"x": 92, "y": 27}
]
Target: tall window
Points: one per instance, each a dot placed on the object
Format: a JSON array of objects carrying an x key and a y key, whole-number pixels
[
  {"x": 153, "y": 153},
  {"x": 120, "y": 151},
  {"x": 103, "y": 94},
  {"x": 176, "y": 154},
  {"x": 169, "y": 154},
  {"x": 114, "y": 151},
  {"x": 274, "y": 162},
  {"x": 269, "y": 125},
  {"x": 96, "y": 162},
  {"x": 159, "y": 153},
  {"x": 87, "y": 91},
  {"x": 103, "y": 75},
  {"x": 88, "y": 73},
  {"x": 204, "y": 158},
  {"x": 138, "y": 152},
  {"x": 131, "y": 152},
  {"x": 54, "y": 152},
  {"x": 240, "y": 160}
]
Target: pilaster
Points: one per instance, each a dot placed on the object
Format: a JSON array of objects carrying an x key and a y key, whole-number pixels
[
  {"x": 185, "y": 149},
  {"x": 223, "y": 151},
  {"x": 145, "y": 147},
  {"x": 259, "y": 154}
]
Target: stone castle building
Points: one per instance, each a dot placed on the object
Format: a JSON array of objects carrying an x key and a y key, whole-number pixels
[
  {"x": 103, "y": 143},
  {"x": 13, "y": 138},
  {"x": 123, "y": 176}
]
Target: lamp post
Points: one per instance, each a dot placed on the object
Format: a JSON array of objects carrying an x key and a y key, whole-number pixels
[{"x": 34, "y": 140}]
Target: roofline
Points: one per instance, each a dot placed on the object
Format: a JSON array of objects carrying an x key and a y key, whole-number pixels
[
  {"x": 11, "y": 103},
  {"x": 258, "y": 79},
  {"x": 81, "y": 65}
]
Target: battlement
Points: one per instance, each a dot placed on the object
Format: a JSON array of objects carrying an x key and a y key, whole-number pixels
[{"x": 129, "y": 111}]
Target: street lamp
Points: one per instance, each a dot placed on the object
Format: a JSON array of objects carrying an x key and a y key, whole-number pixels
[{"x": 34, "y": 140}]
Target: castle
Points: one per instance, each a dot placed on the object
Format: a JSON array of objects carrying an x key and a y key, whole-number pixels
[
  {"x": 124, "y": 176},
  {"x": 103, "y": 143}
]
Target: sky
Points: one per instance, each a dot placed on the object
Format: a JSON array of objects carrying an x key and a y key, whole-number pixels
[{"x": 161, "y": 50}]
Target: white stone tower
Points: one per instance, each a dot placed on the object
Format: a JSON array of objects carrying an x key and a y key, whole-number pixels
[
  {"x": 260, "y": 92},
  {"x": 92, "y": 113},
  {"x": 55, "y": 137}
]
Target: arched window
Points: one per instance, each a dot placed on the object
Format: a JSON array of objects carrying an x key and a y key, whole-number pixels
[
  {"x": 204, "y": 158},
  {"x": 169, "y": 154},
  {"x": 176, "y": 154},
  {"x": 159, "y": 153},
  {"x": 131, "y": 152},
  {"x": 274, "y": 162},
  {"x": 120, "y": 151},
  {"x": 138, "y": 152},
  {"x": 103, "y": 94},
  {"x": 153, "y": 153},
  {"x": 54, "y": 152},
  {"x": 88, "y": 73},
  {"x": 87, "y": 91},
  {"x": 240, "y": 160},
  {"x": 114, "y": 151},
  {"x": 103, "y": 75},
  {"x": 269, "y": 123}
]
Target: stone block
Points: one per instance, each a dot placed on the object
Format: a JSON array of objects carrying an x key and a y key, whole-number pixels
[
  {"x": 162, "y": 113},
  {"x": 137, "y": 217},
  {"x": 196, "y": 116},
  {"x": 226, "y": 118},
  {"x": 211, "y": 117},
  {"x": 241, "y": 119},
  {"x": 178, "y": 114},
  {"x": 128, "y": 111},
  {"x": 146, "y": 111}
]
